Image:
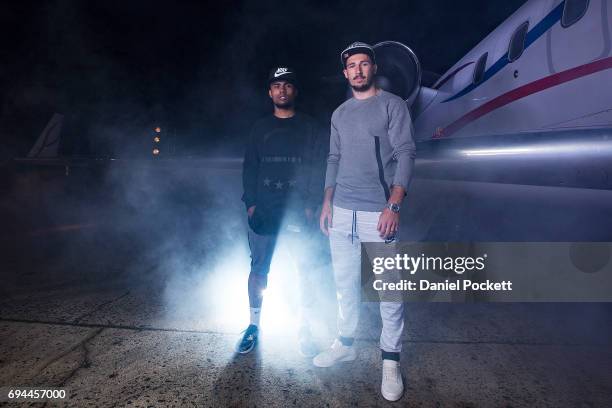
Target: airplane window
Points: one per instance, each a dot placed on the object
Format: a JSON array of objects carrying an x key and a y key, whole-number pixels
[
  {"x": 573, "y": 10},
  {"x": 479, "y": 69},
  {"x": 517, "y": 42}
]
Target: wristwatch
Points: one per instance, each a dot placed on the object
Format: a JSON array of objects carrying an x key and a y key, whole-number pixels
[{"x": 393, "y": 207}]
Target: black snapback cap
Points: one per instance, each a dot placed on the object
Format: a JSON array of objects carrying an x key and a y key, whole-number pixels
[{"x": 357, "y": 48}]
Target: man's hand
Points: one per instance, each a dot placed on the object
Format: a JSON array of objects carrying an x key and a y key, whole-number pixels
[
  {"x": 325, "y": 221},
  {"x": 388, "y": 223},
  {"x": 309, "y": 214},
  {"x": 251, "y": 211},
  {"x": 310, "y": 221}
]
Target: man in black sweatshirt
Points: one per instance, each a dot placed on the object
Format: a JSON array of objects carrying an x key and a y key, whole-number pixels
[{"x": 281, "y": 178}]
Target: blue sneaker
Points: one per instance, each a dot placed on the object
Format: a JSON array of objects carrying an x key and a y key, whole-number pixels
[
  {"x": 307, "y": 347},
  {"x": 249, "y": 340}
]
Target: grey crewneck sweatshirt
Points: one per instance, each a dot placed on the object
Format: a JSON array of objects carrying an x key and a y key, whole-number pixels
[{"x": 371, "y": 149}]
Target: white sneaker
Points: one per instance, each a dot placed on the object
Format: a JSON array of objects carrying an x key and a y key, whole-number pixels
[
  {"x": 336, "y": 353},
  {"x": 392, "y": 386}
]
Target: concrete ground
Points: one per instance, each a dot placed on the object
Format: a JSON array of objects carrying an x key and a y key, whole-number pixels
[{"x": 115, "y": 344}]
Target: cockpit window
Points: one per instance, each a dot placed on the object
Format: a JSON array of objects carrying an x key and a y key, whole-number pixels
[
  {"x": 517, "y": 42},
  {"x": 479, "y": 69},
  {"x": 573, "y": 10}
]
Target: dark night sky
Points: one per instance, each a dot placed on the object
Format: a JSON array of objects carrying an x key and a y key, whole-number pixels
[{"x": 115, "y": 68}]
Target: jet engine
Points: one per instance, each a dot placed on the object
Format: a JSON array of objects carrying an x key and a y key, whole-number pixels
[{"x": 399, "y": 70}]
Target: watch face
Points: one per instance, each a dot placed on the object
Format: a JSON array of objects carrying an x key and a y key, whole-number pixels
[{"x": 394, "y": 207}]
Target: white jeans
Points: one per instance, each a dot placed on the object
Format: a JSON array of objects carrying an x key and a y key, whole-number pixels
[{"x": 350, "y": 228}]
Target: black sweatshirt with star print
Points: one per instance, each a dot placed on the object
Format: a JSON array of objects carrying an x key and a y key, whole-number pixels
[{"x": 284, "y": 167}]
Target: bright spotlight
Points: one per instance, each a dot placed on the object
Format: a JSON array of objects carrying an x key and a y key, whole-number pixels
[{"x": 227, "y": 295}]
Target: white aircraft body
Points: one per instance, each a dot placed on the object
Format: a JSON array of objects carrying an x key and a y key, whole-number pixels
[{"x": 530, "y": 104}]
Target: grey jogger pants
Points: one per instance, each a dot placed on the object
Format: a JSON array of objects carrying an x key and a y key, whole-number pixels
[{"x": 350, "y": 228}]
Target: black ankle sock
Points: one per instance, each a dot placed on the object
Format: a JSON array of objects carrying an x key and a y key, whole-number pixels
[
  {"x": 346, "y": 341},
  {"x": 390, "y": 355}
]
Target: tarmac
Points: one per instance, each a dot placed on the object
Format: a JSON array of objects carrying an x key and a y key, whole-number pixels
[{"x": 115, "y": 344}]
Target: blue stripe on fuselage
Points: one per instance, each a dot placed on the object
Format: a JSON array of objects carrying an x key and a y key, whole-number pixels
[{"x": 536, "y": 32}]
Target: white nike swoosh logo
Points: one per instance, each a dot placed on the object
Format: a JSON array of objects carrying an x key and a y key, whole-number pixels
[{"x": 276, "y": 75}]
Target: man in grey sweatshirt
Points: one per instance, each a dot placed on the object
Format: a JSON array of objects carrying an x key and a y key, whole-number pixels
[{"x": 369, "y": 168}]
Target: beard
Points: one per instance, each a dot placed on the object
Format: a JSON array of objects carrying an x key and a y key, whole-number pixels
[
  {"x": 362, "y": 88},
  {"x": 284, "y": 105}
]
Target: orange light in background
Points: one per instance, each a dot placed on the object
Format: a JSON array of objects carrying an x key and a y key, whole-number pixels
[
  {"x": 158, "y": 130},
  {"x": 155, "y": 152}
]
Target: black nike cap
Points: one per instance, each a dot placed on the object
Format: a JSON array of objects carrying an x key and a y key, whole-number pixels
[{"x": 282, "y": 74}]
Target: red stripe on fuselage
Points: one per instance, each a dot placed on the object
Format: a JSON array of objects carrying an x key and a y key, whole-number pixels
[{"x": 526, "y": 90}]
